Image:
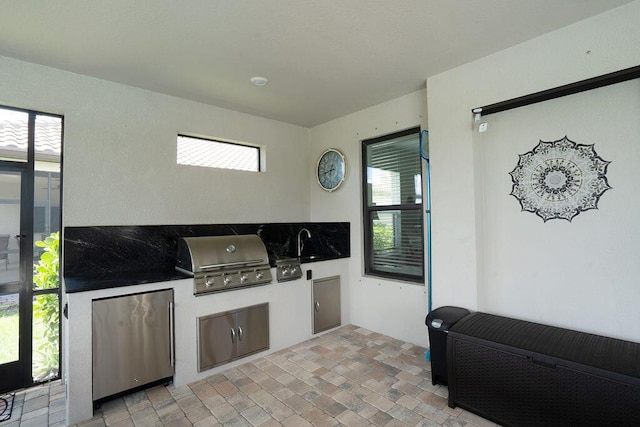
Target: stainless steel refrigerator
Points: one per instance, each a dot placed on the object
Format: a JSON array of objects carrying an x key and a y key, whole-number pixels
[{"x": 132, "y": 342}]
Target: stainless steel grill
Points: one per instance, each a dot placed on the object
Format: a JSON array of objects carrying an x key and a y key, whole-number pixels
[{"x": 221, "y": 263}]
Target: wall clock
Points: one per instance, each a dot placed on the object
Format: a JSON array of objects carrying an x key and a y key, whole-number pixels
[{"x": 331, "y": 169}]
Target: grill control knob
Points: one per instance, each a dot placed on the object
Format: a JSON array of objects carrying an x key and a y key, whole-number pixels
[
  {"x": 259, "y": 275},
  {"x": 243, "y": 278},
  {"x": 208, "y": 282},
  {"x": 294, "y": 270},
  {"x": 285, "y": 270},
  {"x": 227, "y": 279}
]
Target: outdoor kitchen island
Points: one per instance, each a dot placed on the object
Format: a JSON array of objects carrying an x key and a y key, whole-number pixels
[{"x": 290, "y": 317}]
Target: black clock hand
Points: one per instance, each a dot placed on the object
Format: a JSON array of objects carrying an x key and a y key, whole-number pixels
[{"x": 330, "y": 170}]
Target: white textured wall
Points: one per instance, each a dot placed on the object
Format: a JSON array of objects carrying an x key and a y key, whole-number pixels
[
  {"x": 119, "y": 163},
  {"x": 590, "y": 295},
  {"x": 393, "y": 308},
  {"x": 563, "y": 272}
]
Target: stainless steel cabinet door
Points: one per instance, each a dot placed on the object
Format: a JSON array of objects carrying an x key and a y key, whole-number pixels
[
  {"x": 223, "y": 337},
  {"x": 132, "y": 341},
  {"x": 252, "y": 327},
  {"x": 216, "y": 340},
  {"x": 326, "y": 304}
]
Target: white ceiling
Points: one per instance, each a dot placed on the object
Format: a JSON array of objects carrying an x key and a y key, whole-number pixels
[{"x": 324, "y": 58}]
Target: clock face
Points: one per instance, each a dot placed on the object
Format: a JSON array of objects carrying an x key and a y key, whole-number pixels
[{"x": 331, "y": 169}]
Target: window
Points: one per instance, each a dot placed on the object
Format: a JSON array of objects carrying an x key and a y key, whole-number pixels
[
  {"x": 392, "y": 199},
  {"x": 217, "y": 154}
]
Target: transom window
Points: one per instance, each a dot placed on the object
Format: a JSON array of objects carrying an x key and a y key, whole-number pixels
[
  {"x": 210, "y": 153},
  {"x": 392, "y": 199}
]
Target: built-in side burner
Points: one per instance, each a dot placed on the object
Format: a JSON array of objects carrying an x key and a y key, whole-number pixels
[{"x": 288, "y": 269}]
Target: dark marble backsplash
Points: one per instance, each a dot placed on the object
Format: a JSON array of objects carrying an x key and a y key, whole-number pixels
[{"x": 100, "y": 251}]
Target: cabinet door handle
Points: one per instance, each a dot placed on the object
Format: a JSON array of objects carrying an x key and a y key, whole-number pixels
[
  {"x": 239, "y": 333},
  {"x": 233, "y": 335},
  {"x": 317, "y": 306}
]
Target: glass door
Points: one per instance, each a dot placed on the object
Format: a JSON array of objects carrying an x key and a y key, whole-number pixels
[
  {"x": 14, "y": 363},
  {"x": 30, "y": 202}
]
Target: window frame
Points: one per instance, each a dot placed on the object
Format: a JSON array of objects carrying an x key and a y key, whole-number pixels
[
  {"x": 368, "y": 211},
  {"x": 221, "y": 141}
]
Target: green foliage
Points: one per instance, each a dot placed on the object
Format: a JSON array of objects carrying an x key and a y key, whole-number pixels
[
  {"x": 46, "y": 271},
  {"x": 382, "y": 236},
  {"x": 46, "y": 309}
]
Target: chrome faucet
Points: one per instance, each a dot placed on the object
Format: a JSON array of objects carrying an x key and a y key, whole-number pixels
[{"x": 300, "y": 244}]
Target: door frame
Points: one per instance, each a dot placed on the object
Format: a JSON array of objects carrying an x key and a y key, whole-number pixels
[{"x": 17, "y": 374}]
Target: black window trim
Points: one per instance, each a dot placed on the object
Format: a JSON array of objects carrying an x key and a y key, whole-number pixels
[{"x": 367, "y": 210}]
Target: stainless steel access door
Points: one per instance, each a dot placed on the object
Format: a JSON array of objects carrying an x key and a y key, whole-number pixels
[
  {"x": 252, "y": 325},
  {"x": 223, "y": 337},
  {"x": 132, "y": 341},
  {"x": 326, "y": 304},
  {"x": 216, "y": 340}
]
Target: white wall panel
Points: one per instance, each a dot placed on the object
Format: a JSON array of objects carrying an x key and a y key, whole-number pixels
[
  {"x": 562, "y": 271},
  {"x": 394, "y": 308},
  {"x": 120, "y": 154},
  {"x": 489, "y": 255}
]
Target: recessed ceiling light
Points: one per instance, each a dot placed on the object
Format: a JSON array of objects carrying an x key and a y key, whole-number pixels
[{"x": 259, "y": 81}]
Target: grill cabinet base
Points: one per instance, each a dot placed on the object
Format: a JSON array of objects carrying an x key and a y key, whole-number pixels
[{"x": 525, "y": 374}]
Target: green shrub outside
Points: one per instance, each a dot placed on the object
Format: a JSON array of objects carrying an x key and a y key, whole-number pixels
[{"x": 46, "y": 310}]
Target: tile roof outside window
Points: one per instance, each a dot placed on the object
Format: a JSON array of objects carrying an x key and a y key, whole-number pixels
[
  {"x": 216, "y": 154},
  {"x": 13, "y": 133}
]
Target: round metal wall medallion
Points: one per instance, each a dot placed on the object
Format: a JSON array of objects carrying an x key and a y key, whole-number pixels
[{"x": 559, "y": 179}]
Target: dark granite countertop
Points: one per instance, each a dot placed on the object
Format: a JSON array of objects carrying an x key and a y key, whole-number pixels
[
  {"x": 121, "y": 279},
  {"x": 316, "y": 258}
]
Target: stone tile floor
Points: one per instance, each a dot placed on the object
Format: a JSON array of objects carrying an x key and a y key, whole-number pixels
[{"x": 349, "y": 376}]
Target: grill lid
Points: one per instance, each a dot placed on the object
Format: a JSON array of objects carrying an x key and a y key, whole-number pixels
[{"x": 198, "y": 255}]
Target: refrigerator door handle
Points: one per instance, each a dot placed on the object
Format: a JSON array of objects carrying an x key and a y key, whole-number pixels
[{"x": 172, "y": 344}]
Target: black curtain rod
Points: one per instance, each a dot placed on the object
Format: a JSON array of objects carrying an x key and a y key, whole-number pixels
[{"x": 560, "y": 91}]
